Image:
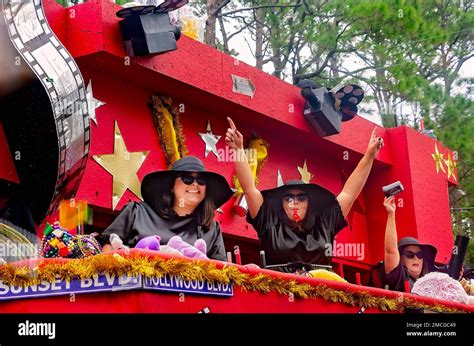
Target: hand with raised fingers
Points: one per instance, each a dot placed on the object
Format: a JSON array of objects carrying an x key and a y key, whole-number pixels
[
  {"x": 233, "y": 137},
  {"x": 375, "y": 144}
]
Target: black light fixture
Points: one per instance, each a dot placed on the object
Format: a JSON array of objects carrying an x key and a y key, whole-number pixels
[
  {"x": 458, "y": 255},
  {"x": 325, "y": 110},
  {"x": 148, "y": 29}
]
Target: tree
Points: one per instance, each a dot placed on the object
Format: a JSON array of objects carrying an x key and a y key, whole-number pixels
[{"x": 213, "y": 9}]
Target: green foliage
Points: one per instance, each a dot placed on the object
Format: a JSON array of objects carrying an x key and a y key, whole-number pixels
[
  {"x": 122, "y": 2},
  {"x": 63, "y": 3}
]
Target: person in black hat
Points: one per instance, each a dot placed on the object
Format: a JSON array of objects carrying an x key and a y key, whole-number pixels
[
  {"x": 408, "y": 260},
  {"x": 180, "y": 201},
  {"x": 298, "y": 221}
]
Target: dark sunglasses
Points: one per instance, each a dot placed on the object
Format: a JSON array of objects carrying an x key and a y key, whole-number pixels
[
  {"x": 301, "y": 197},
  {"x": 188, "y": 179},
  {"x": 412, "y": 255}
]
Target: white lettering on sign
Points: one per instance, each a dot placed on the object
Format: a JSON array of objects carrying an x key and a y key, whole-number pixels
[{"x": 178, "y": 284}]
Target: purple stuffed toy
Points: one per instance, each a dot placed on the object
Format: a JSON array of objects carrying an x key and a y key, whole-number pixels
[
  {"x": 198, "y": 251},
  {"x": 175, "y": 245},
  {"x": 150, "y": 243}
]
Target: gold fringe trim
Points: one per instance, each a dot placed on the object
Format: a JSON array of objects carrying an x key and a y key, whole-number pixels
[
  {"x": 196, "y": 270},
  {"x": 167, "y": 122}
]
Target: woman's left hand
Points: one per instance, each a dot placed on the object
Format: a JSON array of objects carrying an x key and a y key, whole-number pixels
[{"x": 375, "y": 144}]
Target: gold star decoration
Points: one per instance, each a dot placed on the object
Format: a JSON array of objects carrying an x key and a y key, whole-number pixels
[
  {"x": 451, "y": 164},
  {"x": 123, "y": 166},
  {"x": 210, "y": 139},
  {"x": 438, "y": 158},
  {"x": 306, "y": 175}
]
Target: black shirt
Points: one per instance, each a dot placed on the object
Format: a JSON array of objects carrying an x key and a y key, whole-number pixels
[
  {"x": 397, "y": 277},
  {"x": 138, "y": 220},
  {"x": 282, "y": 244}
]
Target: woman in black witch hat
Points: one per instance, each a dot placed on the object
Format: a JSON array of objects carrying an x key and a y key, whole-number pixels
[
  {"x": 298, "y": 221},
  {"x": 408, "y": 260},
  {"x": 180, "y": 201}
]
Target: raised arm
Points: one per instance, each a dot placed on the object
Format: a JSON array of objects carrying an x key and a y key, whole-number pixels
[
  {"x": 234, "y": 140},
  {"x": 357, "y": 180},
  {"x": 391, "y": 254}
]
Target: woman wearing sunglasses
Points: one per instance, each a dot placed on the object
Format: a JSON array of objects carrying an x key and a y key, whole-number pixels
[
  {"x": 297, "y": 221},
  {"x": 180, "y": 201},
  {"x": 406, "y": 261}
]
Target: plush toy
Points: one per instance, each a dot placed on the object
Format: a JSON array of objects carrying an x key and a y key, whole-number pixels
[
  {"x": 199, "y": 249},
  {"x": 150, "y": 243},
  {"x": 325, "y": 274},
  {"x": 116, "y": 242},
  {"x": 441, "y": 286},
  {"x": 170, "y": 250},
  {"x": 175, "y": 246}
]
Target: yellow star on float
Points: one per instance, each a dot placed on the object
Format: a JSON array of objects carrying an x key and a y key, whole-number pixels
[
  {"x": 306, "y": 175},
  {"x": 123, "y": 165},
  {"x": 438, "y": 158},
  {"x": 451, "y": 164}
]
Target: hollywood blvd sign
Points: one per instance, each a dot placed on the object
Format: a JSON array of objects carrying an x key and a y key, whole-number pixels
[
  {"x": 172, "y": 283},
  {"x": 111, "y": 283}
]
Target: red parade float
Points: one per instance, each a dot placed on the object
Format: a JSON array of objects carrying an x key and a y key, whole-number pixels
[{"x": 199, "y": 81}]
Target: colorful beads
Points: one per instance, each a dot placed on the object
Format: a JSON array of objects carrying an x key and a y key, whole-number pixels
[
  {"x": 58, "y": 242},
  {"x": 58, "y": 233},
  {"x": 48, "y": 230},
  {"x": 54, "y": 242},
  {"x": 64, "y": 251}
]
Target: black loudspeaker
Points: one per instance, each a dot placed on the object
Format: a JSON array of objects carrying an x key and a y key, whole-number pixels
[
  {"x": 320, "y": 107},
  {"x": 458, "y": 254},
  {"x": 319, "y": 111},
  {"x": 146, "y": 32}
]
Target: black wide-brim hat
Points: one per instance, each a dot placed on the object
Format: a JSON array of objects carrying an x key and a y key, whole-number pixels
[
  {"x": 319, "y": 196},
  {"x": 428, "y": 249},
  {"x": 157, "y": 183}
]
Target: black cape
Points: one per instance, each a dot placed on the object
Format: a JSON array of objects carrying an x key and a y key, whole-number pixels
[
  {"x": 282, "y": 244},
  {"x": 138, "y": 220}
]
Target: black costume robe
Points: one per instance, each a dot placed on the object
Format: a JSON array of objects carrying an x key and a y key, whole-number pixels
[{"x": 283, "y": 244}]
